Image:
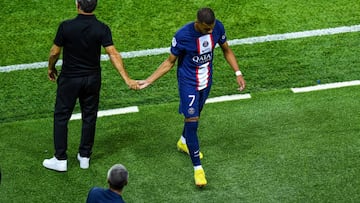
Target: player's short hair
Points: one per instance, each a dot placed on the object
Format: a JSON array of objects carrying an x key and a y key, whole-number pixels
[
  {"x": 87, "y": 6},
  {"x": 117, "y": 177},
  {"x": 206, "y": 15}
]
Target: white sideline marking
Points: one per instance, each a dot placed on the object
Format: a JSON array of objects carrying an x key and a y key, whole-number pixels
[
  {"x": 251, "y": 40},
  {"x": 326, "y": 86},
  {"x": 131, "y": 109},
  {"x": 135, "y": 109},
  {"x": 296, "y": 35},
  {"x": 228, "y": 98}
]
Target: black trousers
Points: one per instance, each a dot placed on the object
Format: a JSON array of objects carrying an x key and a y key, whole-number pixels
[{"x": 69, "y": 89}]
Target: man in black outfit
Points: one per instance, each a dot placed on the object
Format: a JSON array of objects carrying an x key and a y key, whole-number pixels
[{"x": 81, "y": 39}]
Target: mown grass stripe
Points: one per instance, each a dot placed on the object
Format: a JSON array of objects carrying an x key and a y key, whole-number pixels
[
  {"x": 251, "y": 40},
  {"x": 135, "y": 109}
]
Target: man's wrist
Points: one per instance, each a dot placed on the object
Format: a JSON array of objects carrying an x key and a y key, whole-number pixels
[{"x": 238, "y": 73}]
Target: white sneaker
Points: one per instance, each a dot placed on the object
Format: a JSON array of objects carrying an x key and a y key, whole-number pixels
[
  {"x": 55, "y": 164},
  {"x": 84, "y": 161}
]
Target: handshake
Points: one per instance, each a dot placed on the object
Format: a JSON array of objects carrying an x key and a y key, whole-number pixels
[{"x": 137, "y": 84}]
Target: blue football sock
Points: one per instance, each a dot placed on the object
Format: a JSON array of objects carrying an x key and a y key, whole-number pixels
[{"x": 192, "y": 142}]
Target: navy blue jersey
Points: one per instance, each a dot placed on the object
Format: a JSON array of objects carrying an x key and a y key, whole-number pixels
[
  {"x": 102, "y": 195},
  {"x": 195, "y": 52}
]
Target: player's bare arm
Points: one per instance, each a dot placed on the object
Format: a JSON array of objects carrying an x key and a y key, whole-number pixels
[
  {"x": 231, "y": 59},
  {"x": 117, "y": 62},
  {"x": 160, "y": 71},
  {"x": 53, "y": 58}
]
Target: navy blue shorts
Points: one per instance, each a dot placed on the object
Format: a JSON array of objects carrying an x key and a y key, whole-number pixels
[{"x": 192, "y": 101}]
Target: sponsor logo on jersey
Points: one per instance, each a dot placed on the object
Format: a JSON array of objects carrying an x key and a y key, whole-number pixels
[{"x": 202, "y": 58}]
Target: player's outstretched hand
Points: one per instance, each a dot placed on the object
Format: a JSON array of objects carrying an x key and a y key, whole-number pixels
[
  {"x": 241, "y": 82},
  {"x": 133, "y": 84},
  {"x": 143, "y": 83}
]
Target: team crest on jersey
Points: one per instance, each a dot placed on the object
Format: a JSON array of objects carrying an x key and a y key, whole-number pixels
[
  {"x": 204, "y": 44},
  {"x": 191, "y": 111},
  {"x": 223, "y": 36},
  {"x": 173, "y": 43}
]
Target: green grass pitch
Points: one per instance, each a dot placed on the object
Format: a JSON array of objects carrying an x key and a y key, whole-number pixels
[{"x": 275, "y": 147}]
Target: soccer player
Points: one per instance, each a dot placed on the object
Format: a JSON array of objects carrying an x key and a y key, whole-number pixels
[
  {"x": 81, "y": 39},
  {"x": 193, "y": 47}
]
